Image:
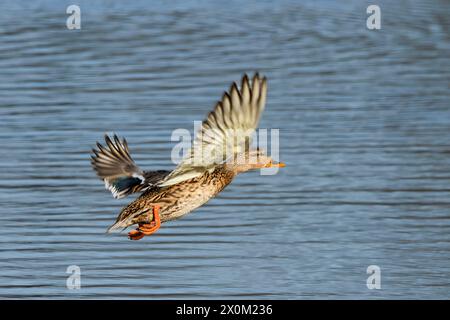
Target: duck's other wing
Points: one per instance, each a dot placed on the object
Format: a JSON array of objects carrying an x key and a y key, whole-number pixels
[{"x": 118, "y": 170}]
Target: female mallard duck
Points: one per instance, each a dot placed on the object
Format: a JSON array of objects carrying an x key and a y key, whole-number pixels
[{"x": 170, "y": 195}]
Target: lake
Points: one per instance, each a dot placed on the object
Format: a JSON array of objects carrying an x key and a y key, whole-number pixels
[{"x": 364, "y": 120}]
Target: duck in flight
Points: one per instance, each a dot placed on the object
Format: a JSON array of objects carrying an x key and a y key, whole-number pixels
[{"x": 169, "y": 195}]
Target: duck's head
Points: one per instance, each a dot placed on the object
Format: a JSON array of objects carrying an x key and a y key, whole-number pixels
[{"x": 254, "y": 159}]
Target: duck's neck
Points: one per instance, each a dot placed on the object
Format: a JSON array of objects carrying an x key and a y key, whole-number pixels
[{"x": 237, "y": 168}]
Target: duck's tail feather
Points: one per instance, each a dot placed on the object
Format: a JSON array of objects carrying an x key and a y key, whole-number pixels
[{"x": 115, "y": 228}]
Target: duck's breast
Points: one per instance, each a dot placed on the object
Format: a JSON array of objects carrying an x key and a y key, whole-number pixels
[{"x": 182, "y": 198}]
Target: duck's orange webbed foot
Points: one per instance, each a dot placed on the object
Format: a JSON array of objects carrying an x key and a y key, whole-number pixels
[
  {"x": 146, "y": 229},
  {"x": 135, "y": 235}
]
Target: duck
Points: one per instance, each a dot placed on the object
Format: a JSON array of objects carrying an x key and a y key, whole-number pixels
[{"x": 166, "y": 195}]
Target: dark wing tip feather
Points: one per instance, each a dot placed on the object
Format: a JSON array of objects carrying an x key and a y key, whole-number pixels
[
  {"x": 234, "y": 87},
  {"x": 113, "y": 159},
  {"x": 245, "y": 81}
]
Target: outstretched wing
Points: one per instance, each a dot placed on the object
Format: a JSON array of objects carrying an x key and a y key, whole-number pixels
[
  {"x": 225, "y": 132},
  {"x": 118, "y": 170}
]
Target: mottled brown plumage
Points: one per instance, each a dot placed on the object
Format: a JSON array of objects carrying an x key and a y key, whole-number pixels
[
  {"x": 175, "y": 200},
  {"x": 171, "y": 195}
]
